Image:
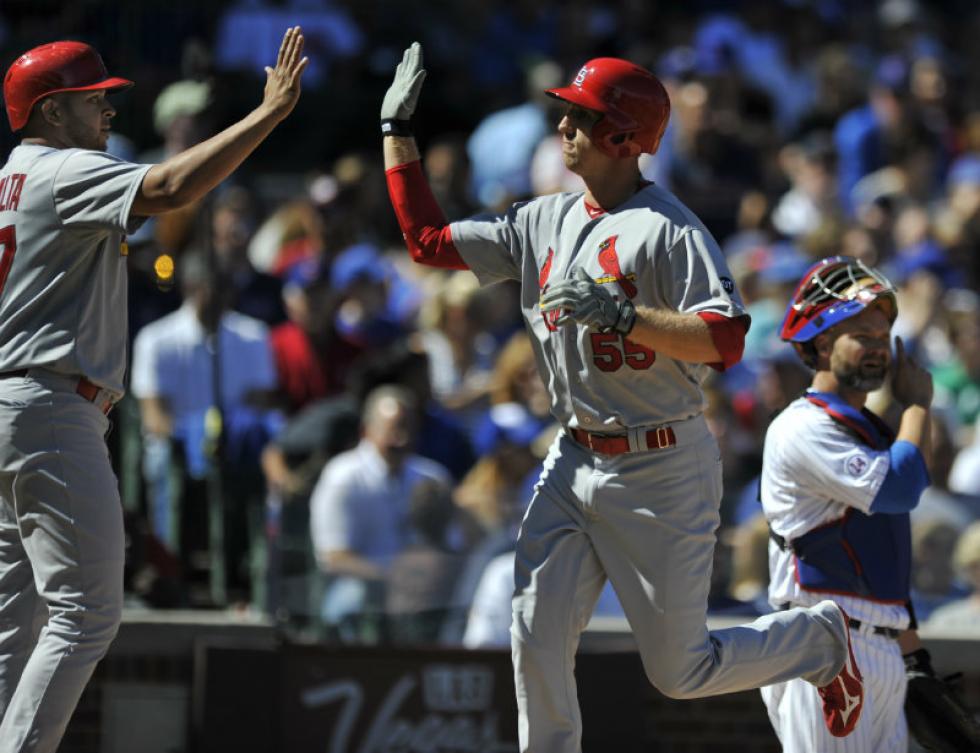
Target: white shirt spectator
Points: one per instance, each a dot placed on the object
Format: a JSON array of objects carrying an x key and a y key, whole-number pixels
[
  {"x": 173, "y": 359},
  {"x": 358, "y": 505}
]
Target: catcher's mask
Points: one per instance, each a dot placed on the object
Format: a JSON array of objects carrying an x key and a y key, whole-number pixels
[{"x": 832, "y": 290}]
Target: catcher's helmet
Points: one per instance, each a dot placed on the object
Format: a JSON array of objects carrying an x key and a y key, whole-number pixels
[
  {"x": 832, "y": 290},
  {"x": 634, "y": 105},
  {"x": 52, "y": 68}
]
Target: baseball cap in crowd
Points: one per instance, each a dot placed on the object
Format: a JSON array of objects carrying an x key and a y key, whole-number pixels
[
  {"x": 965, "y": 170},
  {"x": 300, "y": 275},
  {"x": 926, "y": 255},
  {"x": 180, "y": 98},
  {"x": 362, "y": 261},
  {"x": 786, "y": 263},
  {"x": 506, "y": 422},
  {"x": 892, "y": 72}
]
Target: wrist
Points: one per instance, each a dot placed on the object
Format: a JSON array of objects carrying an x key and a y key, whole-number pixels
[
  {"x": 396, "y": 127},
  {"x": 627, "y": 318},
  {"x": 918, "y": 661}
]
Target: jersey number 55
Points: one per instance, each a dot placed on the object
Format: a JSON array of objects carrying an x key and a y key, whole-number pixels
[{"x": 610, "y": 351}]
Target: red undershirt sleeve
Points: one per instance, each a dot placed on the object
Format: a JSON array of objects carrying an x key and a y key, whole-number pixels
[
  {"x": 422, "y": 222},
  {"x": 728, "y": 335}
]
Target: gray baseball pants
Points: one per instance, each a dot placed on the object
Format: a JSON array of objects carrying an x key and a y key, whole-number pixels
[
  {"x": 647, "y": 522},
  {"x": 61, "y": 556}
]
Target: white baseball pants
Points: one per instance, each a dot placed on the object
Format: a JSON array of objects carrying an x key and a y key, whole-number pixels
[
  {"x": 647, "y": 522},
  {"x": 796, "y": 711},
  {"x": 61, "y": 556}
]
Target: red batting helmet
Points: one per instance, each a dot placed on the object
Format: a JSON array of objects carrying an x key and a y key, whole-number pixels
[
  {"x": 52, "y": 68},
  {"x": 634, "y": 105}
]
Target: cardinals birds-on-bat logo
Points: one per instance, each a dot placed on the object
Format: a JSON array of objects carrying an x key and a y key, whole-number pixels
[
  {"x": 609, "y": 261},
  {"x": 550, "y": 317}
]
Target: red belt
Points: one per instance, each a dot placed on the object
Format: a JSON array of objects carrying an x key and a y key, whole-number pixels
[
  {"x": 616, "y": 444},
  {"x": 89, "y": 390}
]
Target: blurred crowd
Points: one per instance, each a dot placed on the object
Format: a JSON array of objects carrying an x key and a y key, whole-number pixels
[{"x": 320, "y": 431}]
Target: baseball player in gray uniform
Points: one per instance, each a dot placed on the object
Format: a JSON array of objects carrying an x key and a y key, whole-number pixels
[
  {"x": 65, "y": 209},
  {"x": 837, "y": 487},
  {"x": 628, "y": 303}
]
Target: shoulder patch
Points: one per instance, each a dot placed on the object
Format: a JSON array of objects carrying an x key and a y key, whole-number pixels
[
  {"x": 728, "y": 284},
  {"x": 856, "y": 464}
]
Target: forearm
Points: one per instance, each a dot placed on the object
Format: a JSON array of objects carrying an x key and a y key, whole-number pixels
[
  {"x": 908, "y": 641},
  {"x": 188, "y": 176},
  {"x": 420, "y": 218},
  {"x": 346, "y": 562},
  {"x": 400, "y": 150},
  {"x": 684, "y": 337},
  {"x": 915, "y": 427},
  {"x": 155, "y": 416}
]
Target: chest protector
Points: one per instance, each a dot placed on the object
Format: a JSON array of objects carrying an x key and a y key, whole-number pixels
[{"x": 869, "y": 556}]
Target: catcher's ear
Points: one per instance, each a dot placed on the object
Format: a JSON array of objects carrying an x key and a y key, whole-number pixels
[{"x": 823, "y": 345}]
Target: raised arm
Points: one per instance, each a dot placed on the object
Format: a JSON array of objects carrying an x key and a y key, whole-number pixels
[
  {"x": 422, "y": 222},
  {"x": 189, "y": 175}
]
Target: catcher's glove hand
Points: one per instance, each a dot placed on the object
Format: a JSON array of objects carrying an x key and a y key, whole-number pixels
[
  {"x": 583, "y": 300},
  {"x": 936, "y": 716}
]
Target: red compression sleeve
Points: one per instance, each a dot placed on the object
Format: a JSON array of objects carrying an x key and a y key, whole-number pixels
[
  {"x": 728, "y": 335},
  {"x": 422, "y": 222}
]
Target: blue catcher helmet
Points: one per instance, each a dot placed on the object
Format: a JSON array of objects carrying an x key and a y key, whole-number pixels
[{"x": 832, "y": 290}]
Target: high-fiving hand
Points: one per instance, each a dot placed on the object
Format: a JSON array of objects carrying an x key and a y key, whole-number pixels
[
  {"x": 282, "y": 82},
  {"x": 403, "y": 94},
  {"x": 583, "y": 300}
]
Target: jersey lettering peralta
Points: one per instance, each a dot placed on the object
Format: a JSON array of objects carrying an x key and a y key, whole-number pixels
[
  {"x": 650, "y": 249},
  {"x": 64, "y": 216}
]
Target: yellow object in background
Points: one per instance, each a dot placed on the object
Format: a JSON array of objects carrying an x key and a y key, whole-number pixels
[{"x": 163, "y": 268}]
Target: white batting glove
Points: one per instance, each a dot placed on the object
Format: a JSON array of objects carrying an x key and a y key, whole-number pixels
[
  {"x": 582, "y": 300},
  {"x": 403, "y": 94}
]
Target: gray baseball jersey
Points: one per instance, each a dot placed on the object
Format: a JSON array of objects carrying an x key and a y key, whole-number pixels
[
  {"x": 646, "y": 519},
  {"x": 63, "y": 218},
  {"x": 651, "y": 249},
  {"x": 64, "y": 215}
]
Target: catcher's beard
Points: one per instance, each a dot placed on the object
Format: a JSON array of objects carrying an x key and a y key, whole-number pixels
[{"x": 860, "y": 378}]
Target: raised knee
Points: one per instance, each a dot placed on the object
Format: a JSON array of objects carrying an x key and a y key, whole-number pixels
[{"x": 677, "y": 683}]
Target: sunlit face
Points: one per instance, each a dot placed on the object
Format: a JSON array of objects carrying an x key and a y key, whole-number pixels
[
  {"x": 392, "y": 430},
  {"x": 577, "y": 149},
  {"x": 87, "y": 117},
  {"x": 860, "y": 350}
]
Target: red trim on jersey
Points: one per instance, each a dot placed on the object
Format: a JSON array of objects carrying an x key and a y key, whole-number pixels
[
  {"x": 422, "y": 222},
  {"x": 728, "y": 335},
  {"x": 841, "y": 418},
  {"x": 592, "y": 210}
]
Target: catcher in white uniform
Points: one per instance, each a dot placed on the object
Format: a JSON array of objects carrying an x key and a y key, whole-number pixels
[
  {"x": 837, "y": 487},
  {"x": 65, "y": 209},
  {"x": 628, "y": 303}
]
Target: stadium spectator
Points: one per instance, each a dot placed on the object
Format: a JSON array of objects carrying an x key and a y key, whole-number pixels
[
  {"x": 359, "y": 512},
  {"x": 203, "y": 413}
]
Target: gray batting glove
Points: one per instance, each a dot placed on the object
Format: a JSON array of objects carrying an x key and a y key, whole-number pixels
[
  {"x": 582, "y": 300},
  {"x": 403, "y": 94}
]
